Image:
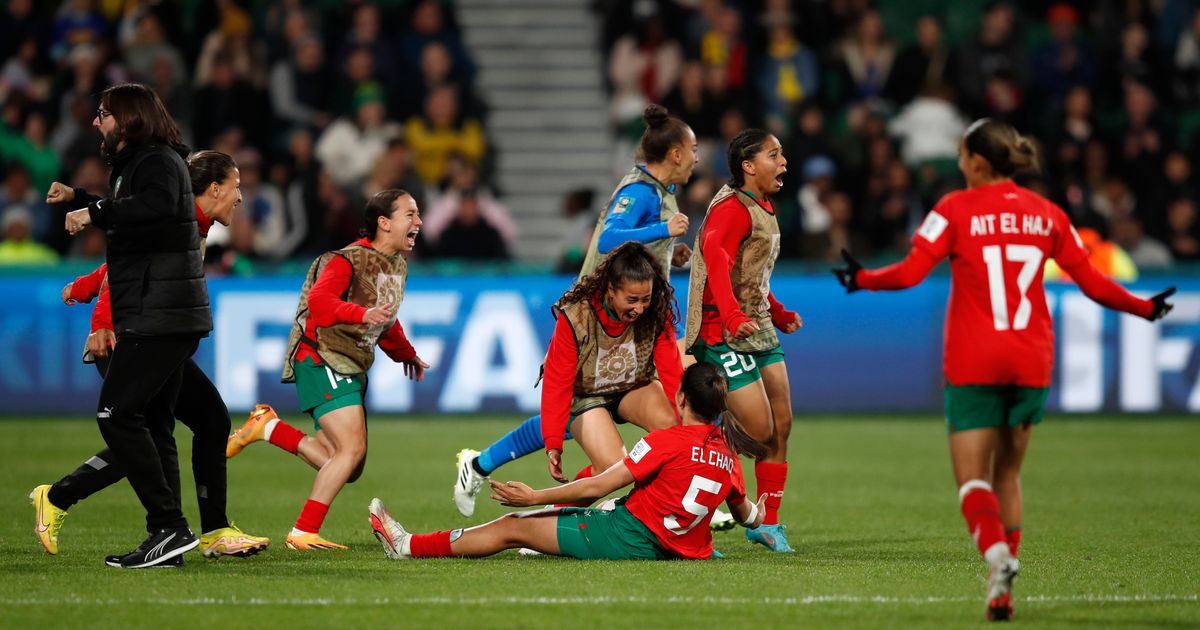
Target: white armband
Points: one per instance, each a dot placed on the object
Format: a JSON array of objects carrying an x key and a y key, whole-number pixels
[{"x": 749, "y": 522}]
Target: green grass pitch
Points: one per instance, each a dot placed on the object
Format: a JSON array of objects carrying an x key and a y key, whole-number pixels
[{"x": 1112, "y": 539}]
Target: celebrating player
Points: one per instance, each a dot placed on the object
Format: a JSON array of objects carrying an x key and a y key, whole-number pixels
[
  {"x": 732, "y": 315},
  {"x": 215, "y": 185},
  {"x": 642, "y": 209},
  {"x": 347, "y": 305},
  {"x": 999, "y": 346},
  {"x": 680, "y": 476}
]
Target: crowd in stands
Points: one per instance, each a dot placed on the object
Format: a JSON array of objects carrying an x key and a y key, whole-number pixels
[
  {"x": 870, "y": 101},
  {"x": 321, "y": 103}
]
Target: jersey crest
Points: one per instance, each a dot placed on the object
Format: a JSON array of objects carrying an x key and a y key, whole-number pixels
[
  {"x": 622, "y": 205},
  {"x": 933, "y": 227}
]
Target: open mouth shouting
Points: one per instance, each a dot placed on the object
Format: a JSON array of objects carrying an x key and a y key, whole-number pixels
[{"x": 411, "y": 238}]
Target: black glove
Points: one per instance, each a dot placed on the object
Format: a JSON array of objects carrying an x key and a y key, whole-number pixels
[
  {"x": 845, "y": 275},
  {"x": 1161, "y": 305}
]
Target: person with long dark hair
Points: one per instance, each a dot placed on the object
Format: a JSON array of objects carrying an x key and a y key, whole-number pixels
[
  {"x": 732, "y": 314},
  {"x": 999, "y": 345},
  {"x": 642, "y": 209},
  {"x": 347, "y": 306},
  {"x": 215, "y": 184},
  {"x": 159, "y": 304},
  {"x": 680, "y": 475}
]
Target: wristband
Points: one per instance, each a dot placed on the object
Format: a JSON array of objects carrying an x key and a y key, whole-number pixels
[{"x": 749, "y": 522}]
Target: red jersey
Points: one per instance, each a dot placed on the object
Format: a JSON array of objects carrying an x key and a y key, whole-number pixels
[
  {"x": 683, "y": 473},
  {"x": 998, "y": 237}
]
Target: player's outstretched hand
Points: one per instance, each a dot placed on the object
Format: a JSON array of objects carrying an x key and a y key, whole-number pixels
[
  {"x": 66, "y": 294},
  {"x": 513, "y": 494},
  {"x": 1161, "y": 305},
  {"x": 554, "y": 462},
  {"x": 414, "y": 368},
  {"x": 845, "y": 275}
]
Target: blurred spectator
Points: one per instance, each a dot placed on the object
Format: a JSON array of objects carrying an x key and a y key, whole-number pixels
[
  {"x": 578, "y": 207},
  {"x": 866, "y": 57},
  {"x": 17, "y": 192},
  {"x": 225, "y": 100},
  {"x": 77, "y": 22},
  {"x": 442, "y": 211},
  {"x": 18, "y": 21},
  {"x": 299, "y": 92},
  {"x": 732, "y": 122},
  {"x": 74, "y": 139},
  {"x": 18, "y": 248},
  {"x": 436, "y": 70},
  {"x": 827, "y": 244},
  {"x": 789, "y": 76},
  {"x": 818, "y": 173},
  {"x": 1183, "y": 232},
  {"x": 280, "y": 233},
  {"x": 995, "y": 53},
  {"x": 358, "y": 74},
  {"x": 1064, "y": 60},
  {"x": 32, "y": 149},
  {"x": 1113, "y": 200},
  {"x": 469, "y": 234},
  {"x": 1066, "y": 139},
  {"x": 1106, "y": 256},
  {"x": 428, "y": 24},
  {"x": 1185, "y": 76},
  {"x": 1144, "y": 140},
  {"x": 147, "y": 47},
  {"x": 1145, "y": 252},
  {"x": 19, "y": 75},
  {"x": 366, "y": 35},
  {"x": 689, "y": 102},
  {"x": 929, "y": 128},
  {"x": 349, "y": 147},
  {"x": 722, "y": 47},
  {"x": 1136, "y": 61},
  {"x": 925, "y": 62},
  {"x": 441, "y": 132},
  {"x": 645, "y": 65},
  {"x": 809, "y": 139}
]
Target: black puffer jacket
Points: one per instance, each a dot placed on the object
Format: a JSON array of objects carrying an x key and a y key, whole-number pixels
[{"x": 155, "y": 269}]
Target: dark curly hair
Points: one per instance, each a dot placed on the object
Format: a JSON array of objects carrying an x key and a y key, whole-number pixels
[{"x": 630, "y": 262}]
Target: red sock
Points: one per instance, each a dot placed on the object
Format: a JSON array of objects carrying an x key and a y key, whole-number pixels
[
  {"x": 312, "y": 516},
  {"x": 1014, "y": 539},
  {"x": 435, "y": 545},
  {"x": 583, "y": 473},
  {"x": 982, "y": 511},
  {"x": 286, "y": 437},
  {"x": 771, "y": 478}
]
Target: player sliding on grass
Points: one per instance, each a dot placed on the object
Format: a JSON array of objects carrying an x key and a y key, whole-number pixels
[
  {"x": 347, "y": 305},
  {"x": 215, "y": 185},
  {"x": 680, "y": 476},
  {"x": 732, "y": 315},
  {"x": 999, "y": 345},
  {"x": 642, "y": 209}
]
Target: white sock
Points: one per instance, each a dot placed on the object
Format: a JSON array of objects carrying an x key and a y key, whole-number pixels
[
  {"x": 298, "y": 532},
  {"x": 406, "y": 547},
  {"x": 998, "y": 554},
  {"x": 269, "y": 428}
]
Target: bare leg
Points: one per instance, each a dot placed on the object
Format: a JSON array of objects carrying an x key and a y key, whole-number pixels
[
  {"x": 315, "y": 450},
  {"x": 1012, "y": 443},
  {"x": 779, "y": 395},
  {"x": 752, "y": 409},
  {"x": 647, "y": 407},
  {"x": 971, "y": 454},
  {"x": 346, "y": 430},
  {"x": 595, "y": 432},
  {"x": 538, "y": 531}
]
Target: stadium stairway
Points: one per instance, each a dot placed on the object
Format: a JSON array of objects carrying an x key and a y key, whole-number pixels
[{"x": 541, "y": 73}]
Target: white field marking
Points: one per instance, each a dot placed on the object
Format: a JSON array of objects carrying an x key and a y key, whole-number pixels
[{"x": 600, "y": 600}]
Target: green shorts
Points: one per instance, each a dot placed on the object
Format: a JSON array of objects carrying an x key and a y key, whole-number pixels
[
  {"x": 992, "y": 406},
  {"x": 611, "y": 402},
  {"x": 740, "y": 368},
  {"x": 322, "y": 390},
  {"x": 591, "y": 534}
]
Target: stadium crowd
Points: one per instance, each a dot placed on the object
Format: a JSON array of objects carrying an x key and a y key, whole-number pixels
[{"x": 323, "y": 103}]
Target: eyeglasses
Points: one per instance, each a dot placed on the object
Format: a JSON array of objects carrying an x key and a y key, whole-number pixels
[{"x": 103, "y": 113}]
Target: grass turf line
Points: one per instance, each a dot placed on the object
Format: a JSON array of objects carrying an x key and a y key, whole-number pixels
[{"x": 1110, "y": 529}]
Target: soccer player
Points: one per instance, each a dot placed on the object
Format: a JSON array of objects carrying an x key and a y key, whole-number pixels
[
  {"x": 347, "y": 305},
  {"x": 642, "y": 209},
  {"x": 215, "y": 185},
  {"x": 732, "y": 315},
  {"x": 680, "y": 475},
  {"x": 999, "y": 345}
]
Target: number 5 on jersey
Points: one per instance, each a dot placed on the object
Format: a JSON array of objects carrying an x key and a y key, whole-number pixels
[
  {"x": 699, "y": 484},
  {"x": 1030, "y": 258}
]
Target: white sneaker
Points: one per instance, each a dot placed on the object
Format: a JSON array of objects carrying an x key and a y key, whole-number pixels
[
  {"x": 721, "y": 521},
  {"x": 1000, "y": 582},
  {"x": 468, "y": 484},
  {"x": 526, "y": 551},
  {"x": 390, "y": 534}
]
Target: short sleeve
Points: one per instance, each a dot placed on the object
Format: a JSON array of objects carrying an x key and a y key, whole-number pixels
[
  {"x": 935, "y": 236},
  {"x": 648, "y": 455},
  {"x": 1068, "y": 247}
]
